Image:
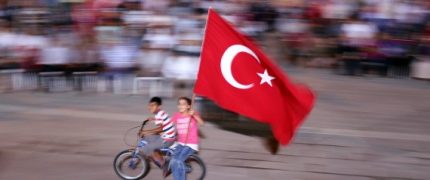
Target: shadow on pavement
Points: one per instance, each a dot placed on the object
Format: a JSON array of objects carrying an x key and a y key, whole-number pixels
[{"x": 236, "y": 123}]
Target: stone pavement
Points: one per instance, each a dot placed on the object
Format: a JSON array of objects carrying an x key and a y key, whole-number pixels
[{"x": 360, "y": 128}]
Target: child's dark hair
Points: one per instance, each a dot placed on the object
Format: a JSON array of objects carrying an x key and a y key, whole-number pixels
[
  {"x": 156, "y": 100},
  {"x": 188, "y": 100}
]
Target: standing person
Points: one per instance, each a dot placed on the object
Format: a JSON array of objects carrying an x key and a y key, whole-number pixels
[
  {"x": 163, "y": 136},
  {"x": 186, "y": 121}
]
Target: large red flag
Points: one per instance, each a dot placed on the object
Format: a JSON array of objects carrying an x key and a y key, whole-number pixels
[{"x": 237, "y": 76}]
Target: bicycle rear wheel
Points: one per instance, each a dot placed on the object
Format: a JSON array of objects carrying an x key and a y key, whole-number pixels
[
  {"x": 130, "y": 167},
  {"x": 195, "y": 168}
]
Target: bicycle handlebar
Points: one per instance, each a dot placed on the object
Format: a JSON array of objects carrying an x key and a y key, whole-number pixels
[{"x": 143, "y": 124}]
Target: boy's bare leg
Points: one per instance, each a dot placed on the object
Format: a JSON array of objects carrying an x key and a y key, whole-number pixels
[{"x": 157, "y": 157}]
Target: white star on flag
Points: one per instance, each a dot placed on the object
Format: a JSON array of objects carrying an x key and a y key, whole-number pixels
[{"x": 266, "y": 78}]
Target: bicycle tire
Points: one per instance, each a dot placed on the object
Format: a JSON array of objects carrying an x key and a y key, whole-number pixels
[
  {"x": 195, "y": 158},
  {"x": 121, "y": 157}
]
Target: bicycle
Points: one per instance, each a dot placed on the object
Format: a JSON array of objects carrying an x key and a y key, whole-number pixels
[{"x": 130, "y": 164}]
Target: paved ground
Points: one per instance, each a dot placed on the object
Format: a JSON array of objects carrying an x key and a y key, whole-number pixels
[{"x": 361, "y": 128}]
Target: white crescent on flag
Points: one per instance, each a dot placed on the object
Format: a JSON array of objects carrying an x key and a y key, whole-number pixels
[{"x": 227, "y": 60}]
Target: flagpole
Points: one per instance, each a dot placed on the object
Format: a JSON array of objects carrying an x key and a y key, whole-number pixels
[
  {"x": 193, "y": 97},
  {"x": 200, "y": 58}
]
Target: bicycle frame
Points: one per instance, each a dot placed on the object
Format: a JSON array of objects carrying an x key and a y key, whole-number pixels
[
  {"x": 132, "y": 164},
  {"x": 142, "y": 143}
]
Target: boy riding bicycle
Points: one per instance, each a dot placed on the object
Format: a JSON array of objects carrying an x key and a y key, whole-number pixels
[{"x": 161, "y": 137}]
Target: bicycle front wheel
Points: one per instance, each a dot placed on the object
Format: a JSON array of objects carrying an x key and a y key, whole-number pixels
[
  {"x": 130, "y": 167},
  {"x": 195, "y": 168}
]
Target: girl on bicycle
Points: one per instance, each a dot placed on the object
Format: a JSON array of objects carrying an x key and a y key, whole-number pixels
[{"x": 186, "y": 121}]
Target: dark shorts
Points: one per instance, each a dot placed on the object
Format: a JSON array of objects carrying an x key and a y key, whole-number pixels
[{"x": 155, "y": 142}]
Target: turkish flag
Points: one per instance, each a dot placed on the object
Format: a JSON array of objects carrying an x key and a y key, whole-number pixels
[{"x": 237, "y": 76}]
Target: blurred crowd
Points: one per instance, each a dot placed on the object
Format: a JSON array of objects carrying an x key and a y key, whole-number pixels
[{"x": 163, "y": 37}]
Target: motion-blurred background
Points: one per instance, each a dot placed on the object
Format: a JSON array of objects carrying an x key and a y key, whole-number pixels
[{"x": 74, "y": 44}]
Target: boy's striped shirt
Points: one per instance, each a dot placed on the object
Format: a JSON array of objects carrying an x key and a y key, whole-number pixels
[{"x": 169, "y": 130}]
